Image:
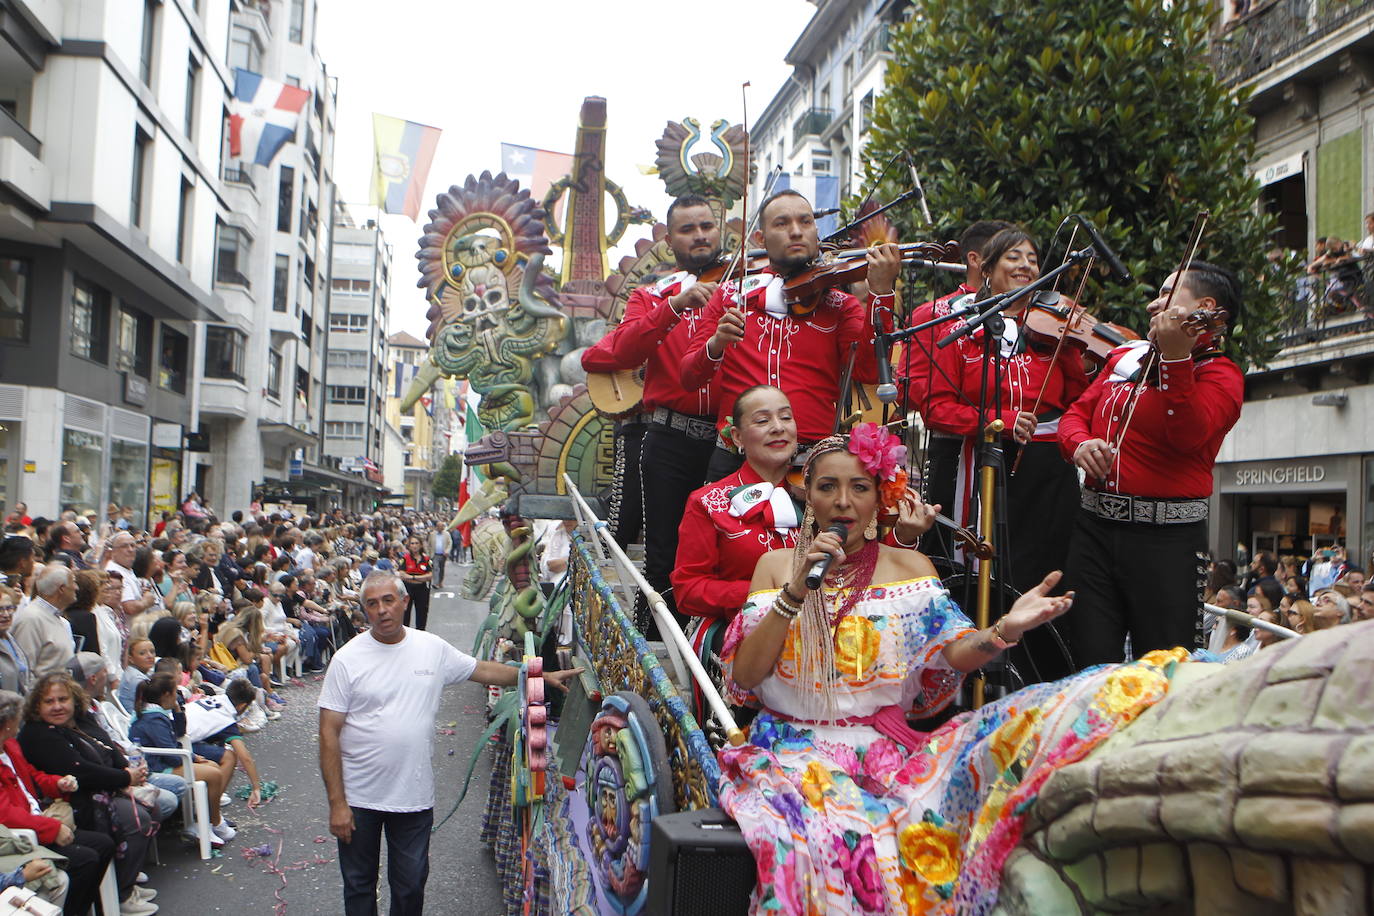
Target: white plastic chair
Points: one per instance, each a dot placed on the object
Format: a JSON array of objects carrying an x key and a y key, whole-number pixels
[{"x": 195, "y": 805}]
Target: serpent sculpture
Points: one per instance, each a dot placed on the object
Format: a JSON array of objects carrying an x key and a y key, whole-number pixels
[{"x": 1249, "y": 789}]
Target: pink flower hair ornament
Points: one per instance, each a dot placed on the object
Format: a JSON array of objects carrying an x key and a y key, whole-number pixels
[{"x": 880, "y": 452}]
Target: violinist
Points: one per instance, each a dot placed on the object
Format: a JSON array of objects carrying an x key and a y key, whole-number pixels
[
  {"x": 680, "y": 433},
  {"x": 1042, "y": 495},
  {"x": 760, "y": 341},
  {"x": 942, "y": 458},
  {"x": 1138, "y": 559}
]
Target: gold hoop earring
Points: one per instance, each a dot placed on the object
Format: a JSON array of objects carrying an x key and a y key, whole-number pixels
[{"x": 871, "y": 531}]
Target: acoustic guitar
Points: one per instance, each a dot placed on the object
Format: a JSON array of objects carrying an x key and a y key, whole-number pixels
[{"x": 616, "y": 394}]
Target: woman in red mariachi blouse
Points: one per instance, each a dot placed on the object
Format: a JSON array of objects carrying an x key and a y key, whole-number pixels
[
  {"x": 416, "y": 574},
  {"x": 1042, "y": 496}
]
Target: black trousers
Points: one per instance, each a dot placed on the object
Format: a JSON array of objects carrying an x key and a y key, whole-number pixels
[
  {"x": 88, "y": 855},
  {"x": 407, "y": 866},
  {"x": 1141, "y": 580},
  {"x": 626, "y": 508},
  {"x": 419, "y": 602},
  {"x": 672, "y": 465}
]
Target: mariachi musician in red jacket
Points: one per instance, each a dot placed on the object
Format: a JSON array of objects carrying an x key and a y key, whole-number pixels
[{"x": 1147, "y": 445}]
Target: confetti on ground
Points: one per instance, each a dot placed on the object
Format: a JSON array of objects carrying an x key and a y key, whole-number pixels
[
  {"x": 268, "y": 790},
  {"x": 447, "y": 731}
]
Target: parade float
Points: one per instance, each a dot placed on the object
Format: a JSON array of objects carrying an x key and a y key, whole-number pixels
[{"x": 1248, "y": 789}]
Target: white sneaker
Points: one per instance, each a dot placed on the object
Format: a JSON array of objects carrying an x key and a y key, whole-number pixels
[
  {"x": 142, "y": 878},
  {"x": 135, "y": 907},
  {"x": 223, "y": 831},
  {"x": 272, "y": 715},
  {"x": 225, "y": 801},
  {"x": 254, "y": 719},
  {"x": 144, "y": 894}
]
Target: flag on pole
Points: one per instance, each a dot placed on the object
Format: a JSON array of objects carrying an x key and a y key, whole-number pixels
[
  {"x": 536, "y": 169},
  {"x": 403, "y": 152},
  {"x": 472, "y": 431},
  {"x": 262, "y": 116},
  {"x": 822, "y": 190}
]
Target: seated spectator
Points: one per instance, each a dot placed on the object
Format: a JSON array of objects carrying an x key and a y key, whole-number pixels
[
  {"x": 212, "y": 725},
  {"x": 58, "y": 737},
  {"x": 21, "y": 786},
  {"x": 112, "y": 626},
  {"x": 40, "y": 629},
  {"x": 142, "y": 657},
  {"x": 1354, "y": 578},
  {"x": 1302, "y": 617},
  {"x": 1332, "y": 609},
  {"x": 15, "y": 672},
  {"x": 80, "y": 613},
  {"x": 165, "y": 634},
  {"x": 88, "y": 671},
  {"x": 1263, "y": 638},
  {"x": 240, "y": 639},
  {"x": 160, "y": 722}
]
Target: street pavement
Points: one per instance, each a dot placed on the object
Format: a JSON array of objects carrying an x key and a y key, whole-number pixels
[{"x": 302, "y": 875}]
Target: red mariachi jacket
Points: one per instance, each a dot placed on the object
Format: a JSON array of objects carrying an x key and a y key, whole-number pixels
[{"x": 653, "y": 335}]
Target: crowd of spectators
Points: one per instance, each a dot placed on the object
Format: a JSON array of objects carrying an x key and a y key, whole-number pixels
[
  {"x": 1307, "y": 594},
  {"x": 115, "y": 637},
  {"x": 1336, "y": 280}
]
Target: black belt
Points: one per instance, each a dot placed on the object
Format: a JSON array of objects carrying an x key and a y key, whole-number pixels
[
  {"x": 1141, "y": 510},
  {"x": 703, "y": 428}
]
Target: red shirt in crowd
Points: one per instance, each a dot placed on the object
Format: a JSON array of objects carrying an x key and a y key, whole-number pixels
[
  {"x": 1173, "y": 437},
  {"x": 958, "y": 372},
  {"x": 717, "y": 553},
  {"x": 15, "y": 810},
  {"x": 804, "y": 356},
  {"x": 652, "y": 334}
]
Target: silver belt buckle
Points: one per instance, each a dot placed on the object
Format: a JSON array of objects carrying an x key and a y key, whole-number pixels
[{"x": 1115, "y": 507}]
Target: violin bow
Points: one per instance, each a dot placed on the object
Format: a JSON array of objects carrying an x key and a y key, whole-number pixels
[
  {"x": 1147, "y": 365},
  {"x": 1075, "y": 314},
  {"x": 739, "y": 258}
]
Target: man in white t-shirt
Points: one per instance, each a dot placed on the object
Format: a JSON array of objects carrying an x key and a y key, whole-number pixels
[
  {"x": 377, "y": 711},
  {"x": 135, "y": 596}
]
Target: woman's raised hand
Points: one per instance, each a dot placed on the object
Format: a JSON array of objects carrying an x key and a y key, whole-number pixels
[
  {"x": 1034, "y": 608},
  {"x": 827, "y": 543}
]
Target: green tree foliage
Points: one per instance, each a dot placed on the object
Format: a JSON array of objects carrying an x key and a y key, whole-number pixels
[
  {"x": 1110, "y": 108},
  {"x": 449, "y": 478}
]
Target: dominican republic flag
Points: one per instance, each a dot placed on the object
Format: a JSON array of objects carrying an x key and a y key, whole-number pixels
[
  {"x": 403, "y": 151},
  {"x": 535, "y": 169},
  {"x": 822, "y": 190},
  {"x": 262, "y": 116}
]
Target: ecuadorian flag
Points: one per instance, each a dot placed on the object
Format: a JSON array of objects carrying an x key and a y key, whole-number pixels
[
  {"x": 404, "y": 151},
  {"x": 262, "y": 116}
]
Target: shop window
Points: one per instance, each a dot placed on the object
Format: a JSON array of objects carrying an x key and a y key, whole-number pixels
[
  {"x": 134, "y": 350},
  {"x": 129, "y": 473},
  {"x": 224, "y": 352},
  {"x": 14, "y": 299},
  {"x": 83, "y": 456},
  {"x": 171, "y": 368},
  {"x": 90, "y": 334}
]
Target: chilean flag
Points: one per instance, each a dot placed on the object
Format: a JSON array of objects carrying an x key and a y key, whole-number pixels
[{"x": 262, "y": 116}]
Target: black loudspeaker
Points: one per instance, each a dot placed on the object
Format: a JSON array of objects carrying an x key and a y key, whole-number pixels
[{"x": 699, "y": 865}]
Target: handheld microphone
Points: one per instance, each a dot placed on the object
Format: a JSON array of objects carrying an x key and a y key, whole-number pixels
[
  {"x": 920, "y": 191},
  {"x": 887, "y": 392},
  {"x": 1104, "y": 250},
  {"x": 816, "y": 576},
  {"x": 817, "y": 214}
]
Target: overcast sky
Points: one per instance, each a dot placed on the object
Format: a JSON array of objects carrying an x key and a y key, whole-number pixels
[{"x": 517, "y": 72}]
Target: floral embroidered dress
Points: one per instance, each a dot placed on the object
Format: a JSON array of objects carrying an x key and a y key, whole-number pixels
[{"x": 842, "y": 818}]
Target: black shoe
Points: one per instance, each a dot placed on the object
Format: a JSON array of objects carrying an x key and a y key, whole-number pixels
[{"x": 312, "y": 671}]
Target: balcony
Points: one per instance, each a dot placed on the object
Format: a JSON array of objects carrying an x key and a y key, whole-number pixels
[
  {"x": 876, "y": 43},
  {"x": 1273, "y": 32},
  {"x": 813, "y": 122},
  {"x": 1331, "y": 304},
  {"x": 239, "y": 176}
]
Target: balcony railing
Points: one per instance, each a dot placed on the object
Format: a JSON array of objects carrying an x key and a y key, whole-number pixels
[
  {"x": 239, "y": 176},
  {"x": 1272, "y": 32},
  {"x": 228, "y": 275},
  {"x": 1331, "y": 303},
  {"x": 874, "y": 44},
  {"x": 813, "y": 121},
  {"x": 10, "y": 127}
]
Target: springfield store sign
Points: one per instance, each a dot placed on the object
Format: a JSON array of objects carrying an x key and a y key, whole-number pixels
[{"x": 1280, "y": 475}]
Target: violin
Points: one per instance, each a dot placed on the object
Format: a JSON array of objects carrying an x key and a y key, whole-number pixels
[
  {"x": 1052, "y": 317},
  {"x": 718, "y": 271},
  {"x": 803, "y": 290}
]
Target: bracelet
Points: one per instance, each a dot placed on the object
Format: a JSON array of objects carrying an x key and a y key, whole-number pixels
[
  {"x": 792, "y": 599},
  {"x": 785, "y": 612},
  {"x": 902, "y": 543},
  {"x": 997, "y": 633}
]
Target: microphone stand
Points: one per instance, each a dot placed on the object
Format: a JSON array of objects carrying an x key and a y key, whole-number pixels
[
  {"x": 994, "y": 306},
  {"x": 851, "y": 226}
]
